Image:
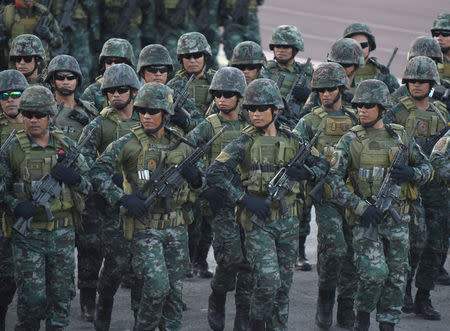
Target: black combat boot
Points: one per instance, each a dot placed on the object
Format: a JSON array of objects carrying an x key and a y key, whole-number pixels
[
  {"x": 216, "y": 311},
  {"x": 324, "y": 309},
  {"x": 241, "y": 319},
  {"x": 3, "y": 310},
  {"x": 87, "y": 303},
  {"x": 103, "y": 310},
  {"x": 345, "y": 313},
  {"x": 257, "y": 325},
  {"x": 302, "y": 262},
  {"x": 386, "y": 326},
  {"x": 408, "y": 305},
  {"x": 423, "y": 306},
  {"x": 362, "y": 321}
]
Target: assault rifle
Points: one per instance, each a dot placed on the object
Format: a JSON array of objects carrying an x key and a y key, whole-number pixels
[
  {"x": 181, "y": 97},
  {"x": 295, "y": 108},
  {"x": 428, "y": 146},
  {"x": 281, "y": 184},
  {"x": 394, "y": 53},
  {"x": 389, "y": 189},
  {"x": 65, "y": 21},
  {"x": 122, "y": 27},
  {"x": 44, "y": 191},
  {"x": 45, "y": 19},
  {"x": 7, "y": 142}
]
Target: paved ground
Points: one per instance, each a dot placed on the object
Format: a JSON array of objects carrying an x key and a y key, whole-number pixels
[{"x": 395, "y": 23}]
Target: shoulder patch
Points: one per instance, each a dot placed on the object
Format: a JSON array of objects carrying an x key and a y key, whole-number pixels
[
  {"x": 407, "y": 102},
  {"x": 223, "y": 157}
]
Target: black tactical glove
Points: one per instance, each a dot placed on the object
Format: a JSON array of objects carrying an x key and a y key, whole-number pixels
[
  {"x": 402, "y": 174},
  {"x": 117, "y": 179},
  {"x": 214, "y": 198},
  {"x": 134, "y": 205},
  {"x": 43, "y": 32},
  {"x": 257, "y": 206},
  {"x": 64, "y": 174},
  {"x": 301, "y": 93},
  {"x": 192, "y": 175},
  {"x": 298, "y": 173},
  {"x": 25, "y": 209},
  {"x": 371, "y": 216},
  {"x": 180, "y": 119}
]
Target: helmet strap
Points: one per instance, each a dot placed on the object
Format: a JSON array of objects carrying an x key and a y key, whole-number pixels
[
  {"x": 123, "y": 105},
  {"x": 227, "y": 111},
  {"x": 335, "y": 99},
  {"x": 372, "y": 123},
  {"x": 28, "y": 74},
  {"x": 163, "y": 123},
  {"x": 274, "y": 118},
  {"x": 64, "y": 91}
]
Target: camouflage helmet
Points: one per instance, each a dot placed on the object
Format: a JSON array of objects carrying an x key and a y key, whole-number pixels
[
  {"x": 373, "y": 91},
  {"x": 63, "y": 63},
  {"x": 263, "y": 91},
  {"x": 228, "y": 79},
  {"x": 155, "y": 96},
  {"x": 248, "y": 52},
  {"x": 27, "y": 45},
  {"x": 116, "y": 47},
  {"x": 421, "y": 68},
  {"x": 156, "y": 55},
  {"x": 442, "y": 22},
  {"x": 346, "y": 50},
  {"x": 120, "y": 75},
  {"x": 12, "y": 80},
  {"x": 361, "y": 28},
  {"x": 38, "y": 99},
  {"x": 329, "y": 74},
  {"x": 425, "y": 46},
  {"x": 287, "y": 35},
  {"x": 193, "y": 42}
]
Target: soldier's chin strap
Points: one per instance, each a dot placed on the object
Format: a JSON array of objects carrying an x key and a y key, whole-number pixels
[
  {"x": 64, "y": 91},
  {"x": 150, "y": 131},
  {"x": 372, "y": 123},
  {"x": 335, "y": 99},
  {"x": 123, "y": 105},
  {"x": 274, "y": 118},
  {"x": 227, "y": 111}
]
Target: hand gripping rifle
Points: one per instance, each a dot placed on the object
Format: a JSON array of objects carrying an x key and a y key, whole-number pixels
[
  {"x": 281, "y": 184},
  {"x": 181, "y": 97},
  {"x": 389, "y": 189},
  {"x": 44, "y": 191}
]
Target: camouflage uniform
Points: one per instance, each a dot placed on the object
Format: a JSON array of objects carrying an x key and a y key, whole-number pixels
[
  {"x": 10, "y": 80},
  {"x": 113, "y": 47},
  {"x": 44, "y": 259},
  {"x": 271, "y": 251},
  {"x": 372, "y": 69},
  {"x": 432, "y": 122},
  {"x": 160, "y": 246},
  {"x": 102, "y": 233},
  {"x": 442, "y": 23},
  {"x": 360, "y": 157},
  {"x": 245, "y": 53},
  {"x": 334, "y": 239},
  {"x": 291, "y": 36}
]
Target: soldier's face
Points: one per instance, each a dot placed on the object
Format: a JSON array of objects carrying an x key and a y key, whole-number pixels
[
  {"x": 224, "y": 103},
  {"x": 10, "y": 106},
  {"x": 65, "y": 79},
  {"x": 36, "y": 126},
  {"x": 157, "y": 77},
  {"x": 418, "y": 88},
  {"x": 192, "y": 64},
  {"x": 250, "y": 75},
  {"x": 110, "y": 61},
  {"x": 327, "y": 97},
  {"x": 444, "y": 42},
  {"x": 261, "y": 118},
  {"x": 367, "y": 115},
  {"x": 119, "y": 96},
  {"x": 362, "y": 38},
  {"x": 283, "y": 53},
  {"x": 25, "y": 67},
  {"x": 151, "y": 121}
]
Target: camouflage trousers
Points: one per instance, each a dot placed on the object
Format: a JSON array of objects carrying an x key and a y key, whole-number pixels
[
  {"x": 271, "y": 253},
  {"x": 382, "y": 268},
  {"x": 159, "y": 258},
  {"x": 335, "y": 252},
  {"x": 417, "y": 235},
  {"x": 200, "y": 234},
  {"x": 233, "y": 270},
  {"x": 8, "y": 285},
  {"x": 44, "y": 264}
]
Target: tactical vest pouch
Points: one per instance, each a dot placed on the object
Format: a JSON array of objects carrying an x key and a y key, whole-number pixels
[
  {"x": 337, "y": 126},
  {"x": 428, "y": 125},
  {"x": 62, "y": 220},
  {"x": 201, "y": 95},
  {"x": 154, "y": 221},
  {"x": 243, "y": 215}
]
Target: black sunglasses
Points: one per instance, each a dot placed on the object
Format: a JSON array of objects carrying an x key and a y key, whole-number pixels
[
  {"x": 13, "y": 94},
  {"x": 27, "y": 59},
  {"x": 328, "y": 89},
  {"x": 260, "y": 108},
  {"x": 415, "y": 81},
  {"x": 120, "y": 89},
  {"x": 110, "y": 61},
  {"x": 68, "y": 76},
  {"x": 225, "y": 94},
  {"x": 364, "y": 44},
  {"x": 346, "y": 65},
  {"x": 243, "y": 67},
  {"x": 31, "y": 114},
  {"x": 155, "y": 69},
  {"x": 150, "y": 111},
  {"x": 189, "y": 56},
  {"x": 365, "y": 105},
  {"x": 444, "y": 33},
  {"x": 282, "y": 46}
]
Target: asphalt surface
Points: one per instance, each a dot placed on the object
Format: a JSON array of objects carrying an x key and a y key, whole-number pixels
[{"x": 394, "y": 23}]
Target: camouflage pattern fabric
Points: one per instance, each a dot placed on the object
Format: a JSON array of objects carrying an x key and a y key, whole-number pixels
[
  {"x": 247, "y": 52},
  {"x": 375, "y": 70},
  {"x": 329, "y": 75},
  {"x": 120, "y": 75},
  {"x": 360, "y": 28},
  {"x": 421, "y": 67},
  {"x": 346, "y": 50},
  {"x": 38, "y": 99},
  {"x": 63, "y": 63},
  {"x": 228, "y": 79},
  {"x": 93, "y": 94},
  {"x": 425, "y": 46},
  {"x": 154, "y": 55},
  {"x": 12, "y": 80}
]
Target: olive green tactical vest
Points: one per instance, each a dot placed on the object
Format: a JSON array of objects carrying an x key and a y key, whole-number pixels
[
  {"x": 199, "y": 90},
  {"x": 444, "y": 70},
  {"x": 367, "y": 71},
  {"x": 6, "y": 127},
  {"x": 290, "y": 75},
  {"x": 66, "y": 122}
]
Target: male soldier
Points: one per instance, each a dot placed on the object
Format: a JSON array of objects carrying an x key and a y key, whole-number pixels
[
  {"x": 259, "y": 152},
  {"x": 12, "y": 84},
  {"x": 361, "y": 159},
  {"x": 232, "y": 271},
  {"x": 248, "y": 57},
  {"x": 334, "y": 240},
  {"x": 371, "y": 68},
  {"x": 420, "y": 75},
  {"x": 119, "y": 85},
  {"x": 286, "y": 42},
  {"x": 28, "y": 56},
  {"x": 114, "y": 51},
  {"x": 44, "y": 259},
  {"x": 27, "y": 16},
  {"x": 441, "y": 32},
  {"x": 158, "y": 234}
]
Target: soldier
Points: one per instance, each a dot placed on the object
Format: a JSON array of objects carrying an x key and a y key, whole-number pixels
[
  {"x": 119, "y": 84},
  {"x": 114, "y": 51},
  {"x": 44, "y": 259},
  {"x": 371, "y": 69},
  {"x": 259, "y": 152},
  {"x": 420, "y": 76},
  {"x": 28, "y": 56},
  {"x": 232, "y": 271},
  {"x": 334, "y": 240},
  {"x": 248, "y": 57},
  {"x": 286, "y": 42},
  {"x": 441, "y": 32},
  {"x": 12, "y": 84},
  {"x": 159, "y": 246},
  {"x": 361, "y": 159}
]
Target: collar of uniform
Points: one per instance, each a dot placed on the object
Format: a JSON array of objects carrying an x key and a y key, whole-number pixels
[
  {"x": 291, "y": 68},
  {"x": 51, "y": 143}
]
